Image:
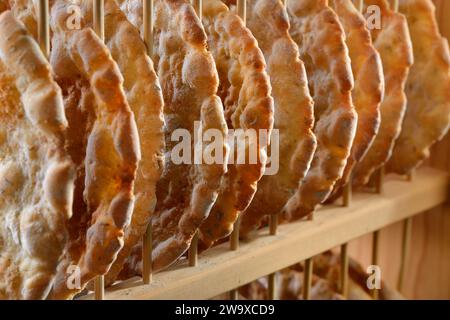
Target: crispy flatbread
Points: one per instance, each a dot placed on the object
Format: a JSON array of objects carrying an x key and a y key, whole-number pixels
[
  {"x": 246, "y": 94},
  {"x": 187, "y": 191},
  {"x": 26, "y": 12},
  {"x": 427, "y": 117},
  {"x": 369, "y": 84},
  {"x": 294, "y": 118},
  {"x": 321, "y": 40},
  {"x": 36, "y": 175},
  {"x": 104, "y": 143},
  {"x": 393, "y": 43},
  {"x": 144, "y": 96}
]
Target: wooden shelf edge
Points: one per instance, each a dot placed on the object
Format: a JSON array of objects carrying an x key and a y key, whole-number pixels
[{"x": 220, "y": 270}]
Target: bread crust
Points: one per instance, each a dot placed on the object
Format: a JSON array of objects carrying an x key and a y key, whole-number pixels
[
  {"x": 293, "y": 110},
  {"x": 104, "y": 142},
  {"x": 321, "y": 39},
  {"x": 144, "y": 95},
  {"x": 427, "y": 117},
  {"x": 393, "y": 42},
  {"x": 189, "y": 80},
  {"x": 36, "y": 174},
  {"x": 369, "y": 85},
  {"x": 246, "y": 94}
]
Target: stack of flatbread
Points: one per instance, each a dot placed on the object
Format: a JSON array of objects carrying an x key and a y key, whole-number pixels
[{"x": 228, "y": 118}]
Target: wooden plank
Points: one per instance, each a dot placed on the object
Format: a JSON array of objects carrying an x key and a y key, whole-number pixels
[{"x": 220, "y": 270}]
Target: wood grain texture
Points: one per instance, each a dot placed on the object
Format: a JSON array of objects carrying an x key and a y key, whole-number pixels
[
  {"x": 220, "y": 269},
  {"x": 427, "y": 273}
]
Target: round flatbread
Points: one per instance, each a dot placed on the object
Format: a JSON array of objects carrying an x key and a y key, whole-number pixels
[
  {"x": 393, "y": 42},
  {"x": 36, "y": 174},
  {"x": 246, "y": 95},
  {"x": 427, "y": 118},
  {"x": 316, "y": 29},
  {"x": 369, "y": 84},
  {"x": 104, "y": 143}
]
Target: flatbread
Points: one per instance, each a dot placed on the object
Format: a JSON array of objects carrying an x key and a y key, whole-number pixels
[
  {"x": 246, "y": 95},
  {"x": 394, "y": 45},
  {"x": 427, "y": 118},
  {"x": 144, "y": 96},
  {"x": 104, "y": 143},
  {"x": 36, "y": 175},
  {"x": 294, "y": 118},
  {"x": 26, "y": 12},
  {"x": 369, "y": 84},
  {"x": 189, "y": 80},
  {"x": 321, "y": 40}
]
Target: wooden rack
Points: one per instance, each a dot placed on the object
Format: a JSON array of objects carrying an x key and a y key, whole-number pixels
[
  {"x": 220, "y": 269},
  {"x": 226, "y": 267}
]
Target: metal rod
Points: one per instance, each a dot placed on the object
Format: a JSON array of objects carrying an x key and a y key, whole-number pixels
[
  {"x": 379, "y": 180},
  {"x": 234, "y": 238},
  {"x": 148, "y": 26},
  {"x": 272, "y": 286},
  {"x": 242, "y": 9},
  {"x": 375, "y": 254},
  {"x": 193, "y": 251},
  {"x": 99, "y": 18},
  {"x": 344, "y": 270},
  {"x": 99, "y": 28},
  {"x": 347, "y": 197},
  {"x": 273, "y": 224},
  {"x": 395, "y": 5},
  {"x": 99, "y": 288},
  {"x": 307, "y": 279},
  {"x": 147, "y": 249},
  {"x": 198, "y": 7},
  {"x": 43, "y": 27},
  {"x": 233, "y": 294},
  {"x": 406, "y": 241}
]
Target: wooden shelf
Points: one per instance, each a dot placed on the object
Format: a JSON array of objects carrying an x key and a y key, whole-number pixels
[{"x": 220, "y": 270}]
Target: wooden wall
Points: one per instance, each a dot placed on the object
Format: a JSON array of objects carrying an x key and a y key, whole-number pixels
[{"x": 428, "y": 265}]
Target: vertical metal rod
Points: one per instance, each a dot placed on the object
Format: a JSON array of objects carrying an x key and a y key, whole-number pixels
[
  {"x": 193, "y": 251},
  {"x": 147, "y": 249},
  {"x": 273, "y": 224},
  {"x": 99, "y": 18},
  {"x": 344, "y": 270},
  {"x": 410, "y": 176},
  {"x": 198, "y": 7},
  {"x": 148, "y": 26},
  {"x": 347, "y": 196},
  {"x": 395, "y": 6},
  {"x": 379, "y": 180},
  {"x": 307, "y": 279},
  {"x": 234, "y": 238},
  {"x": 272, "y": 286},
  {"x": 242, "y": 9},
  {"x": 406, "y": 241},
  {"x": 375, "y": 256},
  {"x": 233, "y": 294},
  {"x": 43, "y": 27},
  {"x": 99, "y": 288},
  {"x": 99, "y": 28}
]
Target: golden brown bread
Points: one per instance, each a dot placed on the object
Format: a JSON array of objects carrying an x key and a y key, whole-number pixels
[
  {"x": 394, "y": 45},
  {"x": 36, "y": 175},
  {"x": 369, "y": 84},
  {"x": 144, "y": 95},
  {"x": 104, "y": 143},
  {"x": 427, "y": 117},
  {"x": 321, "y": 40},
  {"x": 189, "y": 80},
  {"x": 246, "y": 94},
  {"x": 26, "y": 12},
  {"x": 294, "y": 119}
]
